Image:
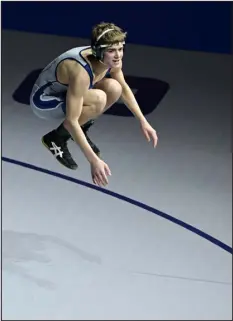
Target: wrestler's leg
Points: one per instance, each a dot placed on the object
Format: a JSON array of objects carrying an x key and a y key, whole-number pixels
[
  {"x": 99, "y": 99},
  {"x": 96, "y": 102}
]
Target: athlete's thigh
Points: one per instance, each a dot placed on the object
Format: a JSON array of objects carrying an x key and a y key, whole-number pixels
[{"x": 93, "y": 97}]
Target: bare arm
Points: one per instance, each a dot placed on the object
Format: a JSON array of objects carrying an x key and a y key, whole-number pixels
[
  {"x": 78, "y": 86},
  {"x": 127, "y": 94},
  {"x": 130, "y": 101}
]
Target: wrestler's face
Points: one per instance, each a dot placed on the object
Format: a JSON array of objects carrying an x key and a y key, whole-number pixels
[{"x": 113, "y": 56}]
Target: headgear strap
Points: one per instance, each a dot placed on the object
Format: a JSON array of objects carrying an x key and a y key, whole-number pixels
[{"x": 103, "y": 33}]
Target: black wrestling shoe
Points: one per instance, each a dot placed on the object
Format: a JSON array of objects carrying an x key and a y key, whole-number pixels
[
  {"x": 85, "y": 129},
  {"x": 58, "y": 147}
]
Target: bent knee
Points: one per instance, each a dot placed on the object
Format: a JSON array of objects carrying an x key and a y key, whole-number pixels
[{"x": 113, "y": 87}]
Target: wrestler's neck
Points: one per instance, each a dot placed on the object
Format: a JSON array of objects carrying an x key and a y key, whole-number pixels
[{"x": 98, "y": 66}]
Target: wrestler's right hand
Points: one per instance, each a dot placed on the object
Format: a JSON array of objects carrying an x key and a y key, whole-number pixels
[{"x": 100, "y": 172}]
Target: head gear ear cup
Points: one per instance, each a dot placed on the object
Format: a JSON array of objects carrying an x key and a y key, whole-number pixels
[{"x": 97, "y": 49}]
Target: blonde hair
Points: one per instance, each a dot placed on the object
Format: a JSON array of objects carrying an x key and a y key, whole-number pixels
[{"x": 111, "y": 37}]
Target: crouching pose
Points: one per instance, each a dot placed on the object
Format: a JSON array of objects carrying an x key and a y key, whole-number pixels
[{"x": 77, "y": 87}]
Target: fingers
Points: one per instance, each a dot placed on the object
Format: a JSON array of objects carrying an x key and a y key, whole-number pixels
[
  {"x": 96, "y": 181},
  {"x": 100, "y": 180},
  {"x": 107, "y": 170},
  {"x": 147, "y": 136},
  {"x": 154, "y": 137},
  {"x": 103, "y": 178},
  {"x": 100, "y": 177}
]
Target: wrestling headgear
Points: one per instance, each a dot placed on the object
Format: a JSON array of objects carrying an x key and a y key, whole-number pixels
[{"x": 98, "y": 49}]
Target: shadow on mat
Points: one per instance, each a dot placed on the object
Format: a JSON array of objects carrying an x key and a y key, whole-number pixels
[{"x": 148, "y": 91}]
